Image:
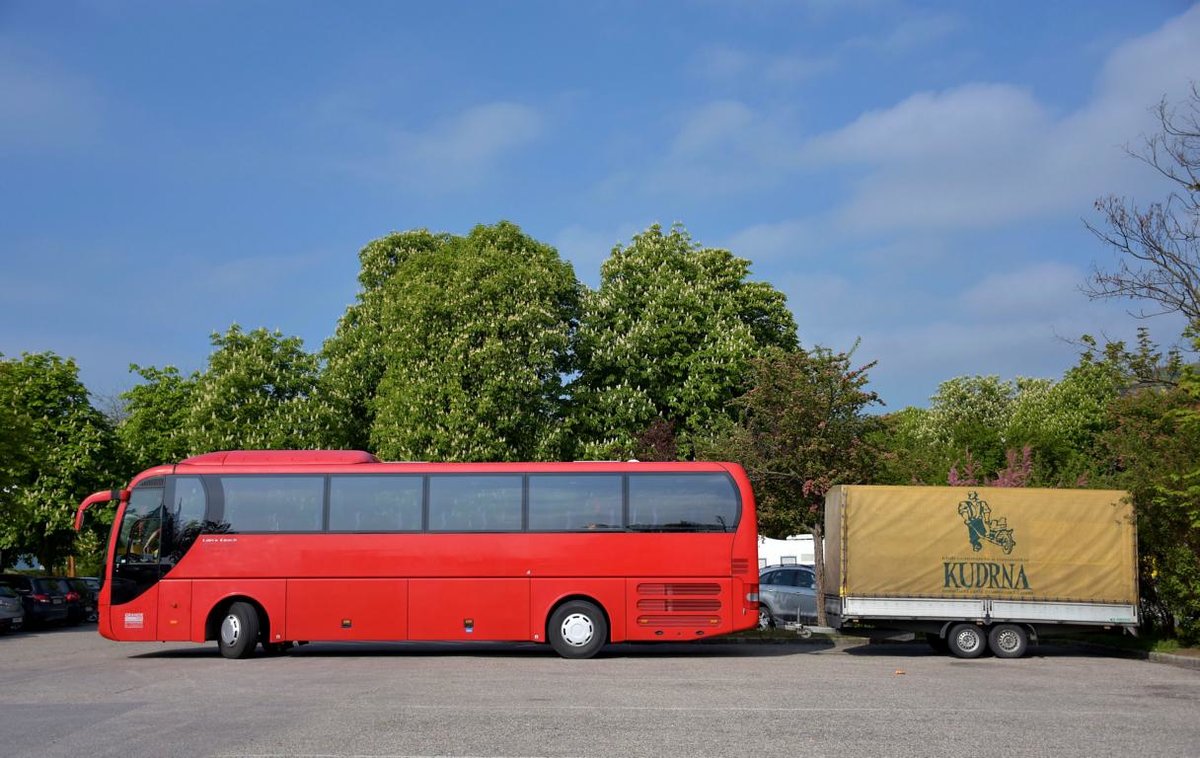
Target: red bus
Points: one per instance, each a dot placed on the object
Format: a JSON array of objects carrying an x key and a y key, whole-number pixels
[{"x": 280, "y": 547}]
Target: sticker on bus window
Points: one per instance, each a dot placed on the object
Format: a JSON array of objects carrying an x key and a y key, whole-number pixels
[{"x": 133, "y": 621}]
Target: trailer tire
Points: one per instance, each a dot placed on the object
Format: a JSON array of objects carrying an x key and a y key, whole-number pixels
[
  {"x": 967, "y": 641},
  {"x": 1008, "y": 641}
]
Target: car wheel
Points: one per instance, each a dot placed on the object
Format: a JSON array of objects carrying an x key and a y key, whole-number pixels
[
  {"x": 1008, "y": 641},
  {"x": 238, "y": 635},
  {"x": 967, "y": 641},
  {"x": 577, "y": 629},
  {"x": 766, "y": 619}
]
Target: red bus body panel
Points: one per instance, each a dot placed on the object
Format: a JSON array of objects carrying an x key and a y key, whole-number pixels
[{"x": 446, "y": 586}]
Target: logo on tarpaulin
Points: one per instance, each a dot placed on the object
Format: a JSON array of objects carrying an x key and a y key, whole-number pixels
[
  {"x": 979, "y": 575},
  {"x": 976, "y": 514}
]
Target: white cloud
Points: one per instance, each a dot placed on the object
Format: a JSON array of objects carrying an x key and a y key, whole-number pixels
[
  {"x": 919, "y": 31},
  {"x": 1019, "y": 322},
  {"x": 713, "y": 125},
  {"x": 794, "y": 69},
  {"x": 1041, "y": 290},
  {"x": 727, "y": 65},
  {"x": 721, "y": 147},
  {"x": 452, "y": 153},
  {"x": 781, "y": 241},
  {"x": 984, "y": 154}
]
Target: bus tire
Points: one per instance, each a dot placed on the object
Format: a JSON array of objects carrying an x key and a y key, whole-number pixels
[
  {"x": 1008, "y": 641},
  {"x": 577, "y": 629},
  {"x": 237, "y": 636},
  {"x": 967, "y": 641}
]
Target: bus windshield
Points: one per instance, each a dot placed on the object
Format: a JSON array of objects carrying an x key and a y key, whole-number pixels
[{"x": 141, "y": 528}]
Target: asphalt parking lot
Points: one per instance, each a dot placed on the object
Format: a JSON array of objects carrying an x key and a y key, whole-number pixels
[{"x": 68, "y": 692}]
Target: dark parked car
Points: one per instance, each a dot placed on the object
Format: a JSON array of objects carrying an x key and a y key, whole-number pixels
[
  {"x": 88, "y": 599},
  {"x": 12, "y": 612},
  {"x": 43, "y": 597},
  {"x": 786, "y": 594}
]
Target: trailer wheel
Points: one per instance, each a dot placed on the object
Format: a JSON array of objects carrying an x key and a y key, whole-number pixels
[
  {"x": 967, "y": 641},
  {"x": 1008, "y": 641}
]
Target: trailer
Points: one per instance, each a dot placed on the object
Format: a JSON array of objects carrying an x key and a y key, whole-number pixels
[{"x": 979, "y": 568}]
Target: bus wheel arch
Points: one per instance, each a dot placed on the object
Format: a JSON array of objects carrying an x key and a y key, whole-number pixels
[
  {"x": 578, "y": 626},
  {"x": 237, "y": 623}
]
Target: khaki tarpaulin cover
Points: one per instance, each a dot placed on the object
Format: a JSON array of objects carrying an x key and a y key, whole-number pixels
[{"x": 995, "y": 542}]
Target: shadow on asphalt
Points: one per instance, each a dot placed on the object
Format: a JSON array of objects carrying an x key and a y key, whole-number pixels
[
  {"x": 922, "y": 650},
  {"x": 706, "y": 649}
]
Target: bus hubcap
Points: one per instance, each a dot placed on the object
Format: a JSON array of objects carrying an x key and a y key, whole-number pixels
[
  {"x": 231, "y": 629},
  {"x": 577, "y": 629}
]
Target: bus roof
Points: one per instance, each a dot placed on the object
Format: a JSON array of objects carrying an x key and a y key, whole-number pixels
[{"x": 280, "y": 458}]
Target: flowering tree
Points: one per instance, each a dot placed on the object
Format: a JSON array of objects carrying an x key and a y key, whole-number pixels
[
  {"x": 476, "y": 340},
  {"x": 669, "y": 336},
  {"x": 66, "y": 450}
]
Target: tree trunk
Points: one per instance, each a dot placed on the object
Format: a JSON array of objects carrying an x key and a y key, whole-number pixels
[{"x": 819, "y": 569}]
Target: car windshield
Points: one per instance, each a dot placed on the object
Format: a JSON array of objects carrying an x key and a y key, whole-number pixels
[{"x": 6, "y": 592}]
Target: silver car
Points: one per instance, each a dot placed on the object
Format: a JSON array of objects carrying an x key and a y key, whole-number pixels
[
  {"x": 786, "y": 594},
  {"x": 12, "y": 614}
]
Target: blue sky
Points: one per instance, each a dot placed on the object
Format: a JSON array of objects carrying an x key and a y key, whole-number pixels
[{"x": 912, "y": 174}]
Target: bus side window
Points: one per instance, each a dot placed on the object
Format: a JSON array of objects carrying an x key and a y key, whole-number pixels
[
  {"x": 360, "y": 503},
  {"x": 274, "y": 503},
  {"x": 567, "y": 502},
  {"x": 475, "y": 503},
  {"x": 682, "y": 502}
]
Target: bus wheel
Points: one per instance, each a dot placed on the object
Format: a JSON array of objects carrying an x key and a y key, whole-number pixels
[
  {"x": 238, "y": 635},
  {"x": 967, "y": 641},
  {"x": 577, "y": 629},
  {"x": 1008, "y": 641}
]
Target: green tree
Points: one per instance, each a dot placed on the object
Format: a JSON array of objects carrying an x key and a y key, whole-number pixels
[
  {"x": 670, "y": 335},
  {"x": 68, "y": 451},
  {"x": 801, "y": 428},
  {"x": 477, "y": 339},
  {"x": 257, "y": 392},
  {"x": 1150, "y": 448},
  {"x": 963, "y": 430},
  {"x": 1061, "y": 421},
  {"x": 156, "y": 427},
  {"x": 354, "y": 356}
]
